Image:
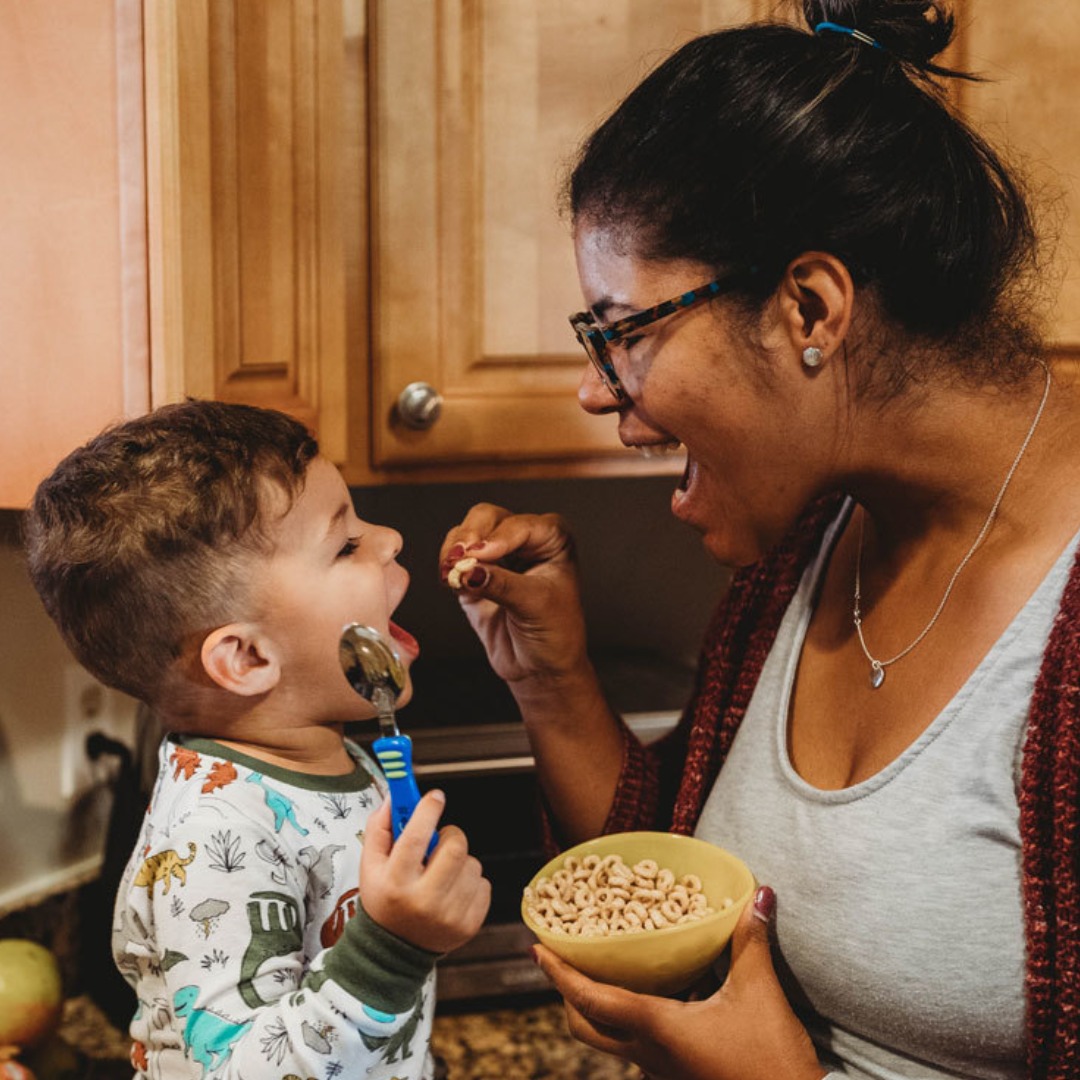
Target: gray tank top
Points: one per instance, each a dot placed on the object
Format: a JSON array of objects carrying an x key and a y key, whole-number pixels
[{"x": 899, "y": 918}]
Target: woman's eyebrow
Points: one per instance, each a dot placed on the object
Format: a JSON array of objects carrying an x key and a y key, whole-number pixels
[{"x": 605, "y": 304}]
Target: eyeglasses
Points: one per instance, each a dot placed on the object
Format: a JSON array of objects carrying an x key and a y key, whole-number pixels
[{"x": 595, "y": 339}]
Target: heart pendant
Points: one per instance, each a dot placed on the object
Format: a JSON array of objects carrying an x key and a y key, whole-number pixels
[{"x": 877, "y": 676}]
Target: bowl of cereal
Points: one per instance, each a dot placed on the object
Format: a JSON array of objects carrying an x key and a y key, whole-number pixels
[{"x": 648, "y": 911}]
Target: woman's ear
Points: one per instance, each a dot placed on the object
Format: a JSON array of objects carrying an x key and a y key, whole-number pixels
[
  {"x": 816, "y": 297},
  {"x": 241, "y": 659}
]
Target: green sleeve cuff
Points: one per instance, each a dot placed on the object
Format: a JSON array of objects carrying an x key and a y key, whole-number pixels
[{"x": 377, "y": 967}]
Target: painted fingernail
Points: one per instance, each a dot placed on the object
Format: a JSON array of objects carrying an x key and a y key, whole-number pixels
[
  {"x": 478, "y": 577},
  {"x": 477, "y": 546},
  {"x": 764, "y": 903},
  {"x": 534, "y": 954},
  {"x": 453, "y": 557}
]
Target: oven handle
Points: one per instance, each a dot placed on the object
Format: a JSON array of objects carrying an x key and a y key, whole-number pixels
[{"x": 476, "y": 767}]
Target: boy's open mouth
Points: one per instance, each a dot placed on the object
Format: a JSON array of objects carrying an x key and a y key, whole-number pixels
[{"x": 405, "y": 641}]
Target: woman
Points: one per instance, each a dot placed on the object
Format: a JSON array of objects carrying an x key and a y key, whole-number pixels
[{"x": 892, "y": 685}]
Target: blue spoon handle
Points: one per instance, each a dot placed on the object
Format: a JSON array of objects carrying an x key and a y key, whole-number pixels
[{"x": 395, "y": 756}]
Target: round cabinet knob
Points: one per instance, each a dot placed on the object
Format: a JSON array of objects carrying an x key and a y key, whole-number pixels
[{"x": 419, "y": 405}]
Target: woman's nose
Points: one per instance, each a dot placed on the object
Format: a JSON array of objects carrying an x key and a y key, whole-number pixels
[{"x": 593, "y": 396}]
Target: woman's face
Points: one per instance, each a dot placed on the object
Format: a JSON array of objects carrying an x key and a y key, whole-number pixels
[{"x": 695, "y": 379}]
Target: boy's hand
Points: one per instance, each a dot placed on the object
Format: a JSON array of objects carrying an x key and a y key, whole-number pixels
[{"x": 437, "y": 905}]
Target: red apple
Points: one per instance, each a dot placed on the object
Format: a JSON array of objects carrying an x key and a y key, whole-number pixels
[{"x": 31, "y": 993}]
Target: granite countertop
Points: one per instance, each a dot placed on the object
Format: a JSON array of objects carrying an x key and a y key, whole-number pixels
[{"x": 529, "y": 1042}]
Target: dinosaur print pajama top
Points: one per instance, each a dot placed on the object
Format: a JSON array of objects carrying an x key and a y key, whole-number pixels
[{"x": 239, "y": 927}]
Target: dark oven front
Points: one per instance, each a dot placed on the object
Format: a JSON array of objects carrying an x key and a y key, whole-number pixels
[{"x": 488, "y": 775}]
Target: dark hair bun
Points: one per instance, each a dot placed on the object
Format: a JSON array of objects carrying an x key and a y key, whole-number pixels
[{"x": 914, "y": 31}]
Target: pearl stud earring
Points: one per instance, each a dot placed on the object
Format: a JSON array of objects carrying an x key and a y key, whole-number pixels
[{"x": 812, "y": 356}]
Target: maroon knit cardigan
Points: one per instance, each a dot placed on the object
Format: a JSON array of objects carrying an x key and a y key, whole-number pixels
[{"x": 666, "y": 784}]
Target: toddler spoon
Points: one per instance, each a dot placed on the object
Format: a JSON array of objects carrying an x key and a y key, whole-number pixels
[{"x": 375, "y": 671}]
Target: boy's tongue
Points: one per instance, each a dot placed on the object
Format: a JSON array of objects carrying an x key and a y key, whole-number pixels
[{"x": 405, "y": 640}]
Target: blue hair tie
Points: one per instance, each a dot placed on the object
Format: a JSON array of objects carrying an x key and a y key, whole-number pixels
[{"x": 858, "y": 35}]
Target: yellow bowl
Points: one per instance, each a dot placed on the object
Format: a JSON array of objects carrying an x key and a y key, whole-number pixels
[{"x": 670, "y": 959}]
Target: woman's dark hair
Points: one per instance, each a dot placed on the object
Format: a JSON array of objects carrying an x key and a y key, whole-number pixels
[{"x": 751, "y": 145}]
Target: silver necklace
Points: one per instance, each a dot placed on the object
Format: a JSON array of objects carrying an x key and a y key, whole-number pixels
[{"x": 877, "y": 667}]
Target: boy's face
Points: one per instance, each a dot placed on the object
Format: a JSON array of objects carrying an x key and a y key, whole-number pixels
[{"x": 329, "y": 568}]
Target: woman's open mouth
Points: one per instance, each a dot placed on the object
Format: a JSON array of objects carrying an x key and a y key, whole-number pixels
[
  {"x": 683, "y": 495},
  {"x": 658, "y": 449},
  {"x": 664, "y": 450}
]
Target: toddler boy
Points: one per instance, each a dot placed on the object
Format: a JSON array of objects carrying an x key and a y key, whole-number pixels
[{"x": 204, "y": 558}]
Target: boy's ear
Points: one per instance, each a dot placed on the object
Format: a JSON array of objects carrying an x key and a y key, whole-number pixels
[{"x": 241, "y": 659}]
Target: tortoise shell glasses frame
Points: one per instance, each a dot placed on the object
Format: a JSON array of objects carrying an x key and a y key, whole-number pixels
[{"x": 595, "y": 337}]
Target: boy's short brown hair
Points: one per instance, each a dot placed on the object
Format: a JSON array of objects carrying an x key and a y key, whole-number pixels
[{"x": 133, "y": 541}]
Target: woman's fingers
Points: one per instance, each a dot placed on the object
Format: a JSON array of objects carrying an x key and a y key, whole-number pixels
[
  {"x": 606, "y": 1017},
  {"x": 751, "y": 953},
  {"x": 477, "y": 524},
  {"x": 618, "y": 1043},
  {"x": 490, "y": 533},
  {"x": 746, "y": 1029},
  {"x": 519, "y": 590},
  {"x": 504, "y": 588}
]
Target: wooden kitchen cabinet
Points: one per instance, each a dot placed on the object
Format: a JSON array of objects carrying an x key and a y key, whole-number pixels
[
  {"x": 245, "y": 107},
  {"x": 176, "y": 222},
  {"x": 329, "y": 200},
  {"x": 72, "y": 357},
  {"x": 346, "y": 198},
  {"x": 476, "y": 109}
]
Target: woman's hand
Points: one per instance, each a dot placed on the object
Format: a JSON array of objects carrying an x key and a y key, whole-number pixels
[
  {"x": 523, "y": 598},
  {"x": 744, "y": 1031}
]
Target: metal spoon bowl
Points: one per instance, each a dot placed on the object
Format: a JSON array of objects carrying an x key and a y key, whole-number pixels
[{"x": 373, "y": 668}]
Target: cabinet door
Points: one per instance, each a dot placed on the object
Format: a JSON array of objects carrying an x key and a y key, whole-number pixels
[
  {"x": 245, "y": 107},
  {"x": 477, "y": 107},
  {"x": 72, "y": 251}
]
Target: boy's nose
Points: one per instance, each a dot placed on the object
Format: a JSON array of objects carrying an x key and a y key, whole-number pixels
[{"x": 390, "y": 542}]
